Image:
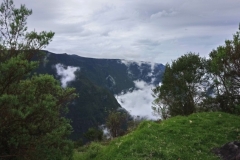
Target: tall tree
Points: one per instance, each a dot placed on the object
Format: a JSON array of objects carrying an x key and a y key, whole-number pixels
[
  {"x": 182, "y": 88},
  {"x": 224, "y": 68},
  {"x": 32, "y": 125}
]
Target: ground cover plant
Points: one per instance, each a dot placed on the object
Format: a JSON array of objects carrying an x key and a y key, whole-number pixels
[{"x": 180, "y": 137}]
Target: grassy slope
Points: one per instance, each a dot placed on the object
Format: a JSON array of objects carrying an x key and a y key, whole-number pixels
[{"x": 183, "y": 138}]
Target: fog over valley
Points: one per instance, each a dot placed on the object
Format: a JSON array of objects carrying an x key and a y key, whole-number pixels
[{"x": 139, "y": 101}]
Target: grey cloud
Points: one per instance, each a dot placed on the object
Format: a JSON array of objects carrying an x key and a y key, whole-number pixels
[
  {"x": 163, "y": 13},
  {"x": 147, "y": 42},
  {"x": 153, "y": 30}
]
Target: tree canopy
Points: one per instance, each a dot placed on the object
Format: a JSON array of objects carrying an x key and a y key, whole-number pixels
[
  {"x": 224, "y": 68},
  {"x": 191, "y": 83},
  {"x": 32, "y": 106},
  {"x": 180, "y": 92}
]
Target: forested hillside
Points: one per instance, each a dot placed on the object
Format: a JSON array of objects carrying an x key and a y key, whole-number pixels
[
  {"x": 96, "y": 81},
  {"x": 116, "y": 75}
]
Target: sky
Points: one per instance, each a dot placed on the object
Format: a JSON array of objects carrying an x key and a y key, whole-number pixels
[{"x": 156, "y": 30}]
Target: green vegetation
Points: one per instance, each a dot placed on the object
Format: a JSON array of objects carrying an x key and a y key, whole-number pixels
[
  {"x": 88, "y": 152},
  {"x": 192, "y": 84},
  {"x": 179, "y": 93},
  {"x": 32, "y": 125},
  {"x": 115, "y": 122},
  {"x": 180, "y": 137},
  {"x": 94, "y": 134},
  {"x": 224, "y": 68}
]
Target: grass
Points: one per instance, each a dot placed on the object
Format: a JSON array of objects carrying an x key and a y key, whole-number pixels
[
  {"x": 178, "y": 138},
  {"x": 88, "y": 152}
]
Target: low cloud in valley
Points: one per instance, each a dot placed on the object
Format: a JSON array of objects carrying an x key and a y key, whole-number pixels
[
  {"x": 67, "y": 74},
  {"x": 138, "y": 102}
]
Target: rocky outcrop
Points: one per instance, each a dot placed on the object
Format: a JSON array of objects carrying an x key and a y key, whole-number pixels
[{"x": 229, "y": 151}]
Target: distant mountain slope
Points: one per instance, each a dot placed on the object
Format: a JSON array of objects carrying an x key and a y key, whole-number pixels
[
  {"x": 114, "y": 74},
  {"x": 96, "y": 82},
  {"x": 92, "y": 106}
]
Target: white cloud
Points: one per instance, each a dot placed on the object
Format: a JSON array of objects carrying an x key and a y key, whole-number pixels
[
  {"x": 67, "y": 74},
  {"x": 106, "y": 131},
  {"x": 138, "y": 102},
  {"x": 141, "y": 85}
]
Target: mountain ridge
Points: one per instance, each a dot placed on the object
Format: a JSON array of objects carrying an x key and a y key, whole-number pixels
[{"x": 97, "y": 70}]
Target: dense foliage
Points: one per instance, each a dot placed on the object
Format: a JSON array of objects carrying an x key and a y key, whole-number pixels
[
  {"x": 181, "y": 91},
  {"x": 191, "y": 83},
  {"x": 32, "y": 125},
  {"x": 94, "y": 134},
  {"x": 224, "y": 68}
]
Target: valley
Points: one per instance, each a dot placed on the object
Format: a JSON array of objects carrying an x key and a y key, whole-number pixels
[{"x": 101, "y": 85}]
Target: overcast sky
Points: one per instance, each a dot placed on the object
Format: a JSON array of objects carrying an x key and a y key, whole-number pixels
[{"x": 153, "y": 30}]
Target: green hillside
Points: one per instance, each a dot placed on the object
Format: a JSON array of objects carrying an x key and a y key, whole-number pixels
[{"x": 178, "y": 138}]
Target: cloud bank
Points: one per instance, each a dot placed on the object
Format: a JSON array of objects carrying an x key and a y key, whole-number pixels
[
  {"x": 67, "y": 74},
  {"x": 138, "y": 102}
]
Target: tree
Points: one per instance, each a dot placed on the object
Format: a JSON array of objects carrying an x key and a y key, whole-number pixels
[
  {"x": 224, "y": 68},
  {"x": 32, "y": 125},
  {"x": 114, "y": 123},
  {"x": 94, "y": 134},
  {"x": 183, "y": 87}
]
